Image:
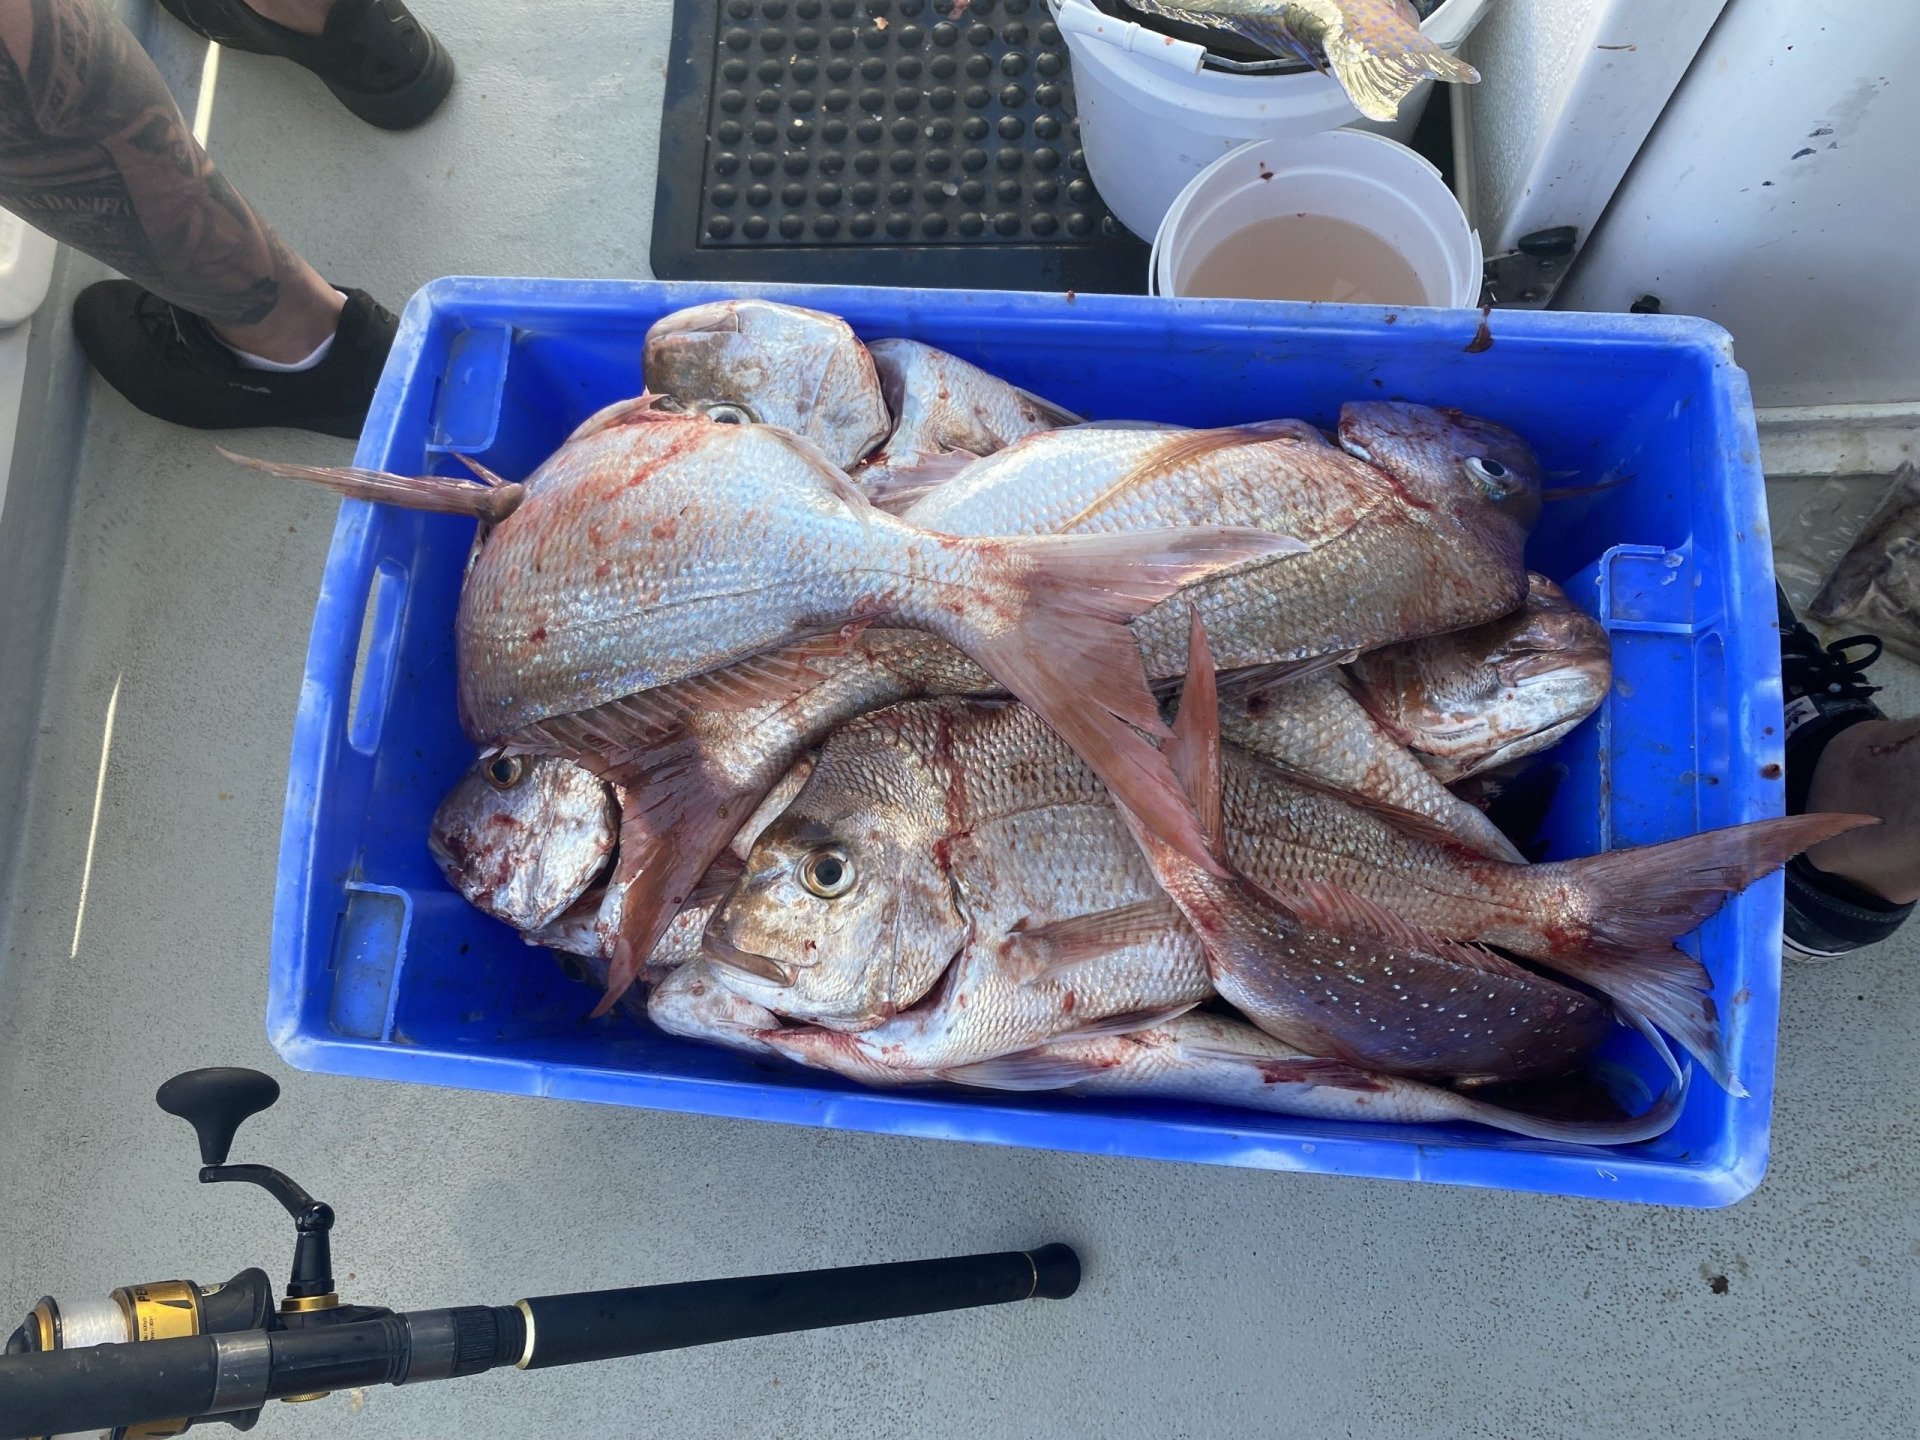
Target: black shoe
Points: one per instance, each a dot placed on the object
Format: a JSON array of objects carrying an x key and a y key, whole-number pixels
[
  {"x": 1826, "y": 692},
  {"x": 167, "y": 362},
  {"x": 379, "y": 62}
]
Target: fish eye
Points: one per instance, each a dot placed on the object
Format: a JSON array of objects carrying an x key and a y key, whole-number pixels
[
  {"x": 1485, "y": 467},
  {"x": 729, "y": 415},
  {"x": 504, "y": 771},
  {"x": 827, "y": 872}
]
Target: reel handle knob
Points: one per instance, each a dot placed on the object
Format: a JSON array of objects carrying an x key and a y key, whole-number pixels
[{"x": 215, "y": 1102}]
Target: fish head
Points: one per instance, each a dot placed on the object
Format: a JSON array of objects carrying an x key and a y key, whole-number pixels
[
  {"x": 1478, "y": 698},
  {"x": 1549, "y": 637},
  {"x": 847, "y": 911},
  {"x": 1551, "y": 666},
  {"x": 522, "y": 837},
  {"x": 1446, "y": 456},
  {"x": 744, "y": 362}
]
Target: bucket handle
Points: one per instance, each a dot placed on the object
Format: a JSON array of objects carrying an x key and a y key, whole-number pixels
[{"x": 1077, "y": 17}]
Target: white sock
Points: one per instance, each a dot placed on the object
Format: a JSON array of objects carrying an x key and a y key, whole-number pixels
[{"x": 250, "y": 361}]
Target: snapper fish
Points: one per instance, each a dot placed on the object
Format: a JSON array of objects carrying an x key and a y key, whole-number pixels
[{"x": 659, "y": 562}]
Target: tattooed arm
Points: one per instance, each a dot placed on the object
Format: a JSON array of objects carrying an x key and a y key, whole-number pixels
[{"x": 94, "y": 152}]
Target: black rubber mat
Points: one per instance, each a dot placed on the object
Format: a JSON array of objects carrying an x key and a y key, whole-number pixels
[{"x": 879, "y": 142}]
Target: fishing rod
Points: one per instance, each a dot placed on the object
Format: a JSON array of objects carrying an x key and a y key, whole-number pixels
[{"x": 153, "y": 1360}]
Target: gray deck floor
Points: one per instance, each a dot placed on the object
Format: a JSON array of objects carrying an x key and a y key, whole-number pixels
[{"x": 1216, "y": 1302}]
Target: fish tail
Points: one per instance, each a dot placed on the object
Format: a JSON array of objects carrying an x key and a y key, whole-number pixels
[
  {"x": 1070, "y": 656},
  {"x": 1194, "y": 750},
  {"x": 491, "y": 502},
  {"x": 1379, "y": 71},
  {"x": 1637, "y": 902}
]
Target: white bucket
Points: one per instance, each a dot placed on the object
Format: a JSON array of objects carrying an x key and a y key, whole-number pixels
[
  {"x": 1150, "y": 119},
  {"x": 1366, "y": 180}
]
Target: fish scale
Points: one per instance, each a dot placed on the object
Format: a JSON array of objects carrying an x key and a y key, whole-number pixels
[
  {"x": 1417, "y": 495},
  {"x": 941, "y": 404},
  {"x": 1312, "y": 723},
  {"x": 1609, "y": 920},
  {"x": 1280, "y": 834},
  {"x": 659, "y": 550},
  {"x": 1389, "y": 556},
  {"x": 1022, "y": 842}
]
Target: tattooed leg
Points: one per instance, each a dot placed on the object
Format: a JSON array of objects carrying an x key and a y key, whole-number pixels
[
  {"x": 94, "y": 152},
  {"x": 1873, "y": 769}
]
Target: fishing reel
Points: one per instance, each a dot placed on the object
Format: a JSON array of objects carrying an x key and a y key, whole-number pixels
[
  {"x": 153, "y": 1360},
  {"x": 216, "y": 1103}
]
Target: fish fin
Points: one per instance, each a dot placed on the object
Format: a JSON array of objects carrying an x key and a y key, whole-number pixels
[
  {"x": 634, "y": 410},
  {"x": 842, "y": 485},
  {"x": 831, "y": 475},
  {"x": 1126, "y": 1022},
  {"x": 1654, "y": 1121},
  {"x": 900, "y": 501},
  {"x": 1379, "y": 72},
  {"x": 1042, "y": 1068},
  {"x": 1641, "y": 900},
  {"x": 1189, "y": 448},
  {"x": 718, "y": 878},
  {"x": 897, "y": 488},
  {"x": 1194, "y": 750},
  {"x": 1333, "y": 907},
  {"x": 1071, "y": 657},
  {"x": 619, "y": 732},
  {"x": 1042, "y": 951},
  {"x": 891, "y": 370},
  {"x": 675, "y": 822},
  {"x": 1288, "y": 1069},
  {"x": 1257, "y": 679},
  {"x": 480, "y": 472},
  {"x": 442, "y": 494},
  {"x": 1052, "y": 414},
  {"x": 1652, "y": 1035},
  {"x": 1242, "y": 684}
]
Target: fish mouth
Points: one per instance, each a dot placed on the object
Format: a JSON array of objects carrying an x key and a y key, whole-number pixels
[
  {"x": 724, "y": 952},
  {"x": 1534, "y": 666}
]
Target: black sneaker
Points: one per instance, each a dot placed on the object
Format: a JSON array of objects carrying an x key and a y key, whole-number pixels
[
  {"x": 168, "y": 363},
  {"x": 379, "y": 62},
  {"x": 1826, "y": 692}
]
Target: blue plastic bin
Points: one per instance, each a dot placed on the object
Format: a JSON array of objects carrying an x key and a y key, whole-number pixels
[{"x": 379, "y": 969}]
